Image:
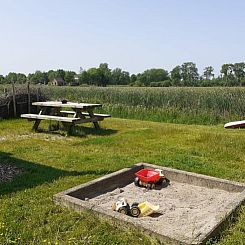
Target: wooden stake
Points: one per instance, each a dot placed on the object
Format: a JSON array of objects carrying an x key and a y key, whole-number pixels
[
  {"x": 14, "y": 101},
  {"x": 29, "y": 97},
  {"x": 38, "y": 91}
]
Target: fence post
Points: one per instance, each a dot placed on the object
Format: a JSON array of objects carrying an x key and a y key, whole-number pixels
[
  {"x": 14, "y": 101},
  {"x": 29, "y": 97},
  {"x": 38, "y": 91}
]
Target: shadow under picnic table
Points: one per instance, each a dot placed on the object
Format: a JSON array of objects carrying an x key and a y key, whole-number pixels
[{"x": 79, "y": 131}]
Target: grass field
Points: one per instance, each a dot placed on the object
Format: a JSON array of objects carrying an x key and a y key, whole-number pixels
[{"x": 54, "y": 162}]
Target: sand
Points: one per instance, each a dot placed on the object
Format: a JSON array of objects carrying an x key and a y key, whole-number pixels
[{"x": 186, "y": 211}]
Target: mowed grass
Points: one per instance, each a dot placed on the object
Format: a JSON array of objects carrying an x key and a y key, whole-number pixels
[{"x": 54, "y": 162}]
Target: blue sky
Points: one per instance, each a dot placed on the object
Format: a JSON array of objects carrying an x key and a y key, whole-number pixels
[{"x": 131, "y": 34}]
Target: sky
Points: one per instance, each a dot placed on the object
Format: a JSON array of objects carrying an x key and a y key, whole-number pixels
[{"x": 134, "y": 35}]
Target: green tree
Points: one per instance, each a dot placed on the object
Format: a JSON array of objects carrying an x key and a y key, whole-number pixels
[
  {"x": 70, "y": 77},
  {"x": 175, "y": 75},
  {"x": 228, "y": 75},
  {"x": 152, "y": 75},
  {"x": 38, "y": 77},
  {"x": 51, "y": 75},
  {"x": 94, "y": 76},
  {"x": 189, "y": 73},
  {"x": 2, "y": 79},
  {"x": 83, "y": 77},
  {"x": 105, "y": 74},
  {"x": 60, "y": 73},
  {"x": 11, "y": 77},
  {"x": 239, "y": 72},
  {"x": 119, "y": 77},
  {"x": 208, "y": 73},
  {"x": 133, "y": 78},
  {"x": 226, "y": 70}
]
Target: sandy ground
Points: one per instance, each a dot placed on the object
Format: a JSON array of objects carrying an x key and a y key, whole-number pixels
[{"x": 186, "y": 211}]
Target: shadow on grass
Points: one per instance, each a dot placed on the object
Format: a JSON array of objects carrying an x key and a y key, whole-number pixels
[
  {"x": 34, "y": 174},
  {"x": 101, "y": 131},
  {"x": 79, "y": 131}
]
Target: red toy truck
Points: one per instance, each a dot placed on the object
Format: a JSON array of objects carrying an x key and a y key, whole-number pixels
[{"x": 149, "y": 178}]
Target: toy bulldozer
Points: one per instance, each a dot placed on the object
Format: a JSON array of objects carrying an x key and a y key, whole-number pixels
[{"x": 136, "y": 209}]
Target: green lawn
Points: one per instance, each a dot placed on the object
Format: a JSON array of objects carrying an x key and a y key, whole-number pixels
[{"x": 54, "y": 162}]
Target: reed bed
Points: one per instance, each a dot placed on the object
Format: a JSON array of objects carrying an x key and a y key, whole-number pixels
[{"x": 178, "y": 105}]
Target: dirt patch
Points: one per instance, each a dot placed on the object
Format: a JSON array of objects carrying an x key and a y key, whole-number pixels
[
  {"x": 7, "y": 172},
  {"x": 186, "y": 211}
]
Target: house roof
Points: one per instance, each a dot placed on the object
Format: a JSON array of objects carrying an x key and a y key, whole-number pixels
[{"x": 59, "y": 79}]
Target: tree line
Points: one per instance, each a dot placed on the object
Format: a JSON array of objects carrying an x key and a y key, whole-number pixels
[{"x": 181, "y": 75}]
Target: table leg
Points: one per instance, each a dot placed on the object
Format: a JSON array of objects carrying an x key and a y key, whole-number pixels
[{"x": 96, "y": 124}]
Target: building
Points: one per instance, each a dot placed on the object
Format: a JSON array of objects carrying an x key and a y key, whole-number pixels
[{"x": 58, "y": 81}]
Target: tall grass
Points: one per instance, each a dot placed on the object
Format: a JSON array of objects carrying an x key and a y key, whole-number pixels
[{"x": 179, "y": 105}]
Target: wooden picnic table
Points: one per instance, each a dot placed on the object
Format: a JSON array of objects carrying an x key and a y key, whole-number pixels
[{"x": 77, "y": 113}]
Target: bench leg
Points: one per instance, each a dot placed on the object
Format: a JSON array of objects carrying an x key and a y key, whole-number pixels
[{"x": 36, "y": 124}]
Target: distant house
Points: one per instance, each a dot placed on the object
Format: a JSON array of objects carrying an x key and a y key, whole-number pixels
[{"x": 58, "y": 81}]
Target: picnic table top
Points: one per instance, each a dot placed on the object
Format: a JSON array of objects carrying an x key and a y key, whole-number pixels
[{"x": 68, "y": 104}]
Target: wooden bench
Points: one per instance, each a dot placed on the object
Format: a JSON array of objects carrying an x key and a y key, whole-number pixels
[
  {"x": 48, "y": 117},
  {"x": 85, "y": 114},
  {"x": 65, "y": 120}
]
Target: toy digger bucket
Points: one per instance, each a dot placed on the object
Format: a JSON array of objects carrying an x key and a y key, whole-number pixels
[{"x": 147, "y": 208}]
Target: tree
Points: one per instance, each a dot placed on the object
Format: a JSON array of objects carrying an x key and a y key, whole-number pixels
[
  {"x": 133, "y": 78},
  {"x": 152, "y": 75},
  {"x": 61, "y": 73},
  {"x": 105, "y": 74},
  {"x": 51, "y": 75},
  {"x": 189, "y": 73},
  {"x": 239, "y": 72},
  {"x": 11, "y": 77},
  {"x": 119, "y": 77},
  {"x": 38, "y": 77},
  {"x": 226, "y": 70},
  {"x": 227, "y": 73},
  {"x": 94, "y": 76},
  {"x": 176, "y": 76},
  {"x": 70, "y": 77},
  {"x": 2, "y": 79},
  {"x": 208, "y": 72},
  {"x": 83, "y": 77}
]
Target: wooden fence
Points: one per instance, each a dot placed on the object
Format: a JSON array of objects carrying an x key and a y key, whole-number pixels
[{"x": 17, "y": 99}]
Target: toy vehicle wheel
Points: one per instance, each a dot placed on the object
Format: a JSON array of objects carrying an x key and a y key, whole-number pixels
[
  {"x": 165, "y": 182},
  {"x": 135, "y": 211},
  {"x": 148, "y": 186},
  {"x": 160, "y": 181},
  {"x": 123, "y": 210},
  {"x": 136, "y": 181},
  {"x": 153, "y": 186}
]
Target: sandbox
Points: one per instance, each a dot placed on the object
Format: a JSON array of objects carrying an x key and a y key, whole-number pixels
[{"x": 193, "y": 207}]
